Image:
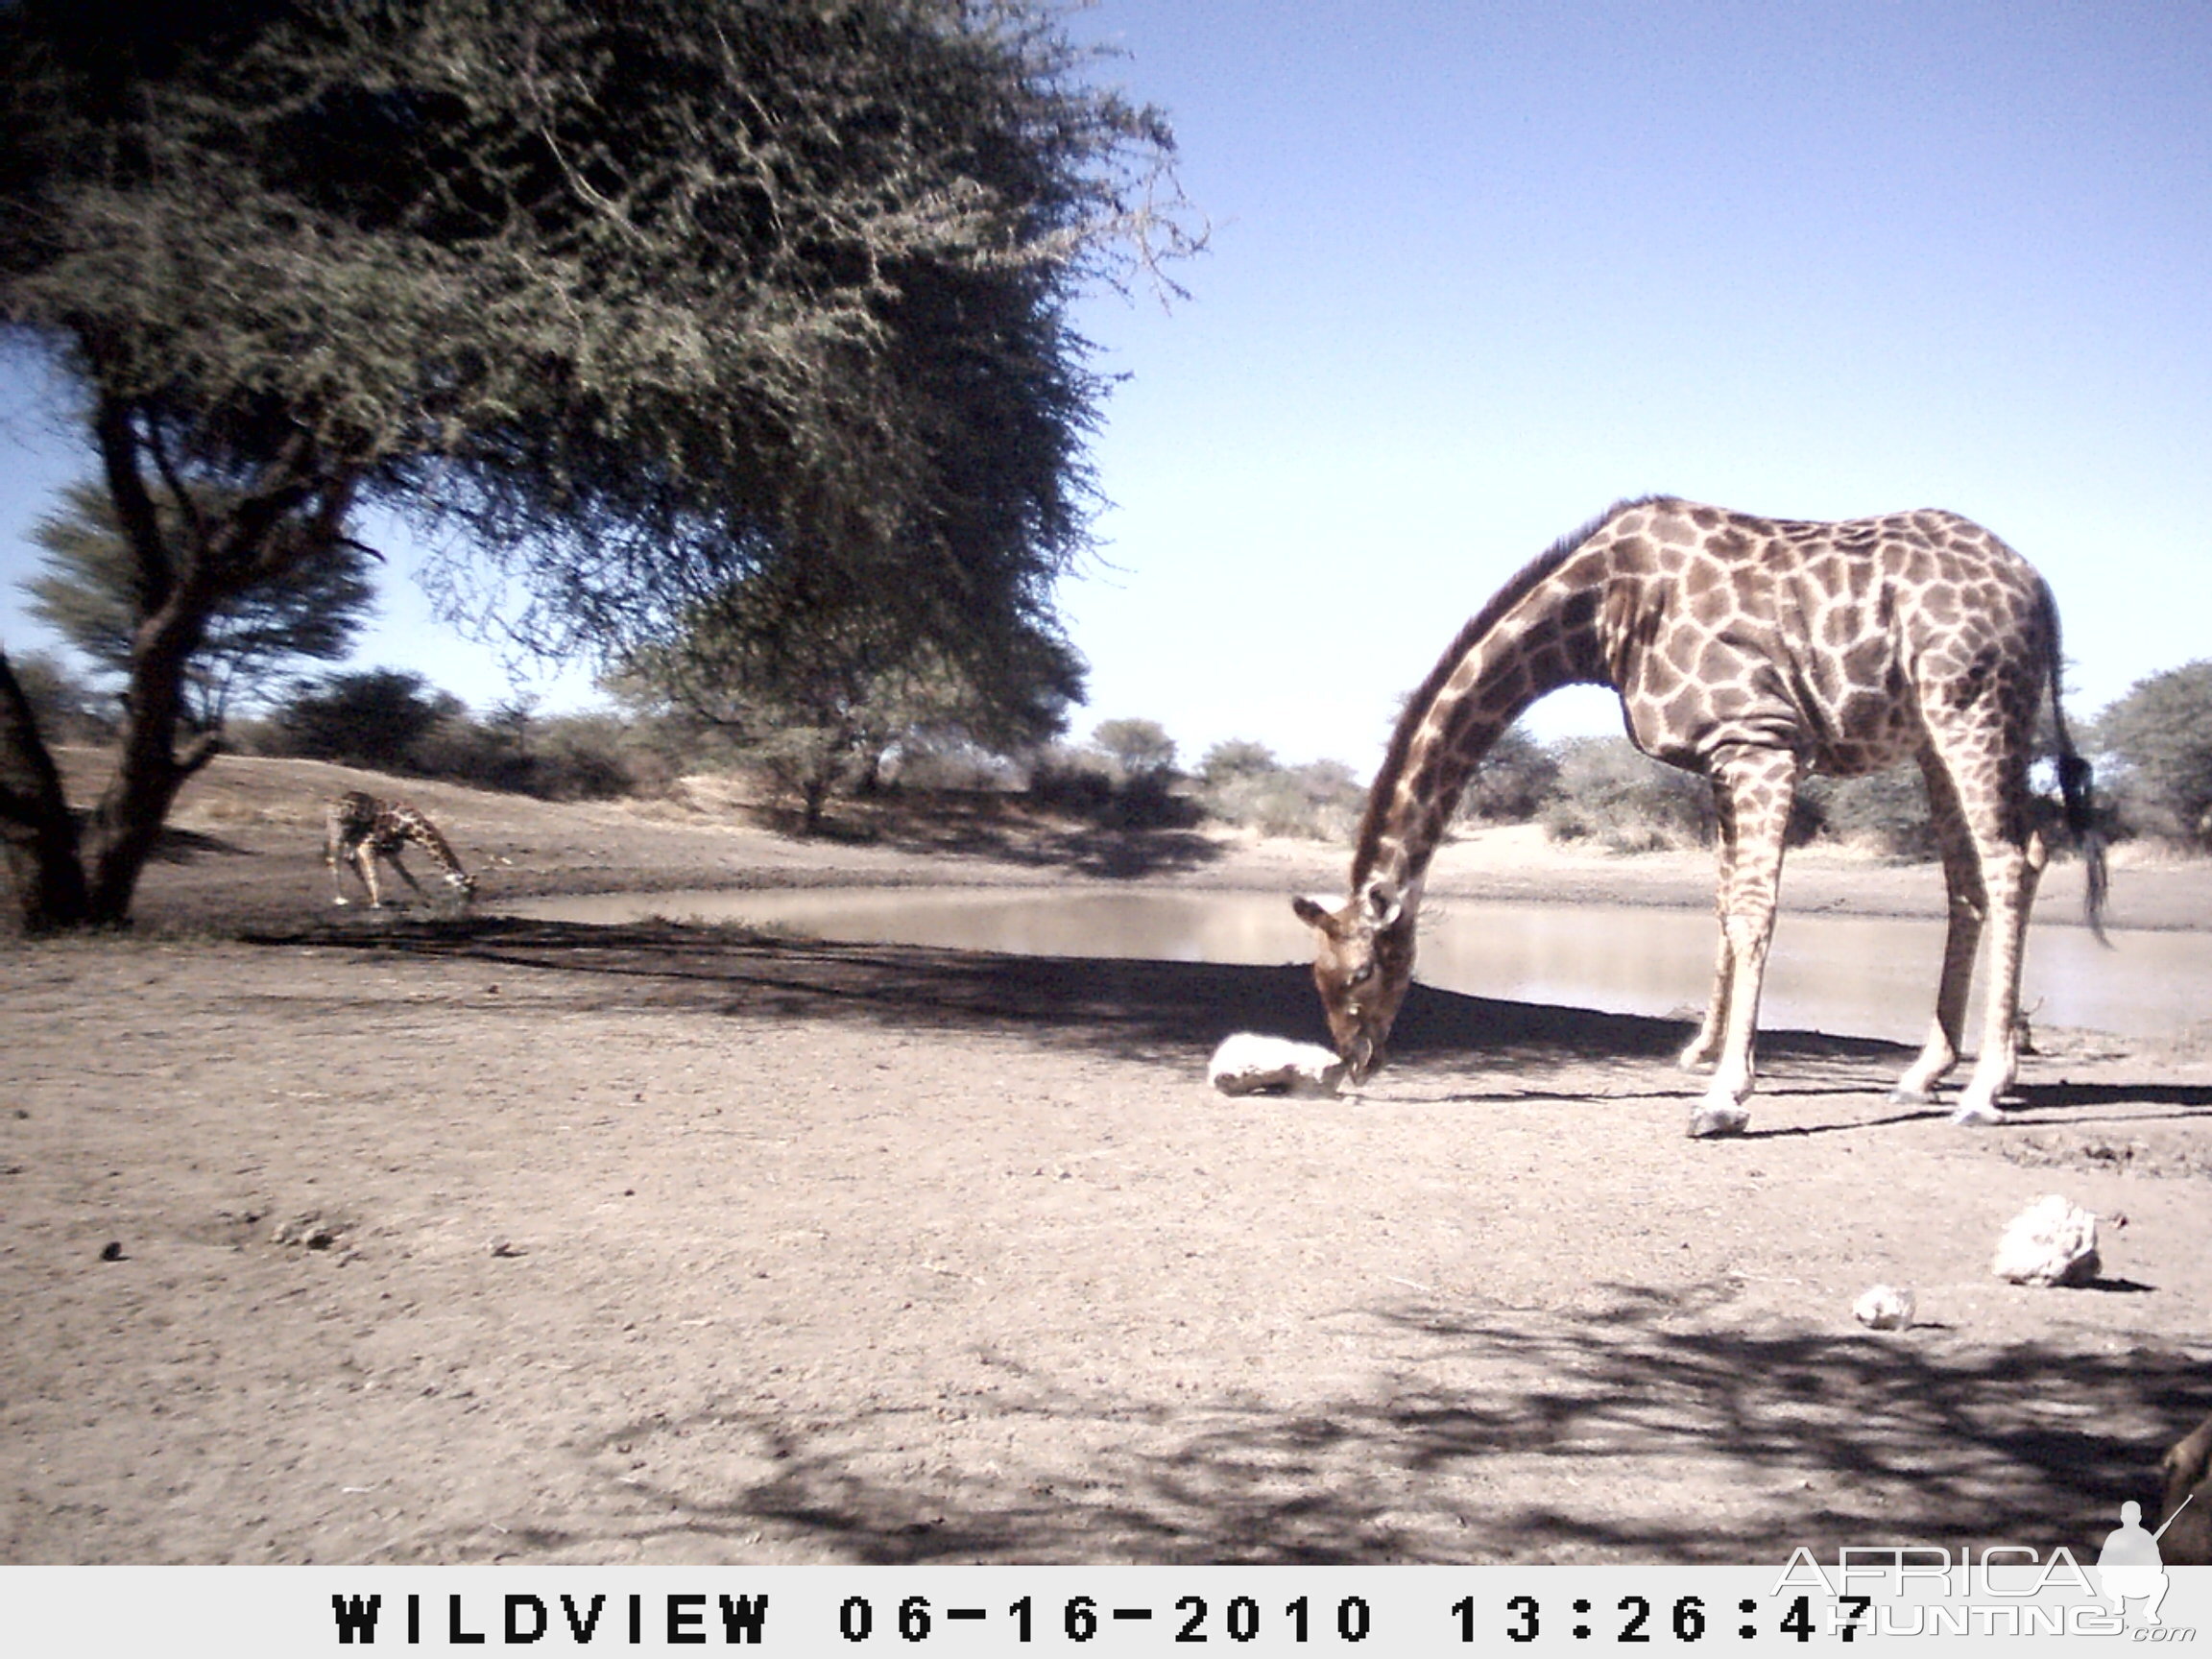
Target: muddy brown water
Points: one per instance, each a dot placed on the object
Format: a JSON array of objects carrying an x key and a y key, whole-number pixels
[{"x": 1856, "y": 977}]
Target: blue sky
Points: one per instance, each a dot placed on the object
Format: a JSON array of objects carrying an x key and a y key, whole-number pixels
[{"x": 1478, "y": 271}]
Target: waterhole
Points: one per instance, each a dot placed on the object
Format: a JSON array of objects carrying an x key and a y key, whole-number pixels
[{"x": 1849, "y": 975}]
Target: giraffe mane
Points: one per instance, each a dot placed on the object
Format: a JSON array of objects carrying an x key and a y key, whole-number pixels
[{"x": 1517, "y": 588}]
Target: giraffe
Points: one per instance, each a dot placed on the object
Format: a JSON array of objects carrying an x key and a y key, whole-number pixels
[
  {"x": 1753, "y": 651},
  {"x": 359, "y": 830}
]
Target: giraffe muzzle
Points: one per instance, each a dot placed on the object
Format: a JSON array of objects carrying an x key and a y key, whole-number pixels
[{"x": 1363, "y": 1057}]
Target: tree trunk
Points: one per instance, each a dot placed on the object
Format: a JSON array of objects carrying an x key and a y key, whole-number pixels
[
  {"x": 149, "y": 769},
  {"x": 36, "y": 825},
  {"x": 813, "y": 794}
]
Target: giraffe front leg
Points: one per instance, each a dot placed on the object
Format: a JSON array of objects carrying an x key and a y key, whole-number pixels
[
  {"x": 1753, "y": 789},
  {"x": 1704, "y": 1049},
  {"x": 1721, "y": 1111},
  {"x": 406, "y": 875}
]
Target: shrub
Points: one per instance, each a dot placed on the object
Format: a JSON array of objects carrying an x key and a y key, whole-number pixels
[
  {"x": 66, "y": 707},
  {"x": 1513, "y": 781},
  {"x": 1242, "y": 783},
  {"x": 374, "y": 718},
  {"x": 1236, "y": 757},
  {"x": 2160, "y": 735},
  {"x": 1135, "y": 748},
  {"x": 1610, "y": 792},
  {"x": 390, "y": 720},
  {"x": 1884, "y": 811}
]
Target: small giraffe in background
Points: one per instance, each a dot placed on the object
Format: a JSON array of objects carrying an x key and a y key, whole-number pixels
[
  {"x": 359, "y": 830},
  {"x": 1753, "y": 651}
]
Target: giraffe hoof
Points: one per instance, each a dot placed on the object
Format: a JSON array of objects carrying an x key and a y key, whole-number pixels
[
  {"x": 1976, "y": 1117},
  {"x": 1904, "y": 1097},
  {"x": 1710, "y": 1122}
]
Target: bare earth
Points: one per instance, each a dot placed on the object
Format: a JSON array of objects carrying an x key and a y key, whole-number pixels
[{"x": 340, "y": 1239}]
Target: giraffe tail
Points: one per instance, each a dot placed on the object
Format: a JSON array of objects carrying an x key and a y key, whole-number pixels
[{"x": 2077, "y": 779}]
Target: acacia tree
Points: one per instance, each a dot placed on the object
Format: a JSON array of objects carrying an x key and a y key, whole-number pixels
[
  {"x": 2161, "y": 732},
  {"x": 1136, "y": 749},
  {"x": 620, "y": 303},
  {"x": 819, "y": 688},
  {"x": 88, "y": 594}
]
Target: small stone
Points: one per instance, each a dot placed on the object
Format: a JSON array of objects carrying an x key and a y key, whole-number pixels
[
  {"x": 111, "y": 1251},
  {"x": 2050, "y": 1243},
  {"x": 1247, "y": 1063},
  {"x": 1883, "y": 1308},
  {"x": 310, "y": 1231}
]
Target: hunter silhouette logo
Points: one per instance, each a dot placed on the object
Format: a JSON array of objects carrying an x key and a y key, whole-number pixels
[{"x": 2130, "y": 1566}]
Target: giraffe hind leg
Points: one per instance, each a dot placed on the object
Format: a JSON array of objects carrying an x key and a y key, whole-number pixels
[
  {"x": 2015, "y": 874},
  {"x": 1703, "y": 1050},
  {"x": 1986, "y": 759},
  {"x": 1969, "y": 905}
]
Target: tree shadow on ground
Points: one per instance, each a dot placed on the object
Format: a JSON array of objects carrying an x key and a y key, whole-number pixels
[
  {"x": 1131, "y": 1008},
  {"x": 176, "y": 846},
  {"x": 1651, "y": 1430}
]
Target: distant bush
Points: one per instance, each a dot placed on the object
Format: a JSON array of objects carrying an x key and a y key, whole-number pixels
[
  {"x": 1610, "y": 792},
  {"x": 374, "y": 718},
  {"x": 1236, "y": 757},
  {"x": 1096, "y": 785},
  {"x": 591, "y": 758},
  {"x": 1886, "y": 812},
  {"x": 1320, "y": 800},
  {"x": 1134, "y": 748},
  {"x": 937, "y": 765},
  {"x": 391, "y": 720},
  {"x": 2159, "y": 738},
  {"x": 1513, "y": 781},
  {"x": 65, "y": 706}
]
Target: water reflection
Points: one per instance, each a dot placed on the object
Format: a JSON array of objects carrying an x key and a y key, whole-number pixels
[{"x": 1856, "y": 977}]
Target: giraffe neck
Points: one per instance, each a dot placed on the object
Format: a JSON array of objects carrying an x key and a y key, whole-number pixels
[
  {"x": 1537, "y": 636},
  {"x": 414, "y": 827}
]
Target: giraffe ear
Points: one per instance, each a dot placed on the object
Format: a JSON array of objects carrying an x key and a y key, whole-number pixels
[
  {"x": 1381, "y": 902},
  {"x": 1315, "y": 914}
]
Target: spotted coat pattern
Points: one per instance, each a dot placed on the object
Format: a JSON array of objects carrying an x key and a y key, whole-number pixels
[
  {"x": 1753, "y": 651},
  {"x": 360, "y": 831}
]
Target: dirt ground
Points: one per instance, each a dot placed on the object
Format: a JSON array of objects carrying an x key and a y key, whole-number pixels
[{"x": 334, "y": 1237}]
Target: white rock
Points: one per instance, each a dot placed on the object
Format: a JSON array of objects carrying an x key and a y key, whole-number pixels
[
  {"x": 1883, "y": 1308},
  {"x": 2050, "y": 1243},
  {"x": 1249, "y": 1064}
]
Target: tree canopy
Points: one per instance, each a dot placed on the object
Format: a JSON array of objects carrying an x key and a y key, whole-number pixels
[
  {"x": 622, "y": 303},
  {"x": 2161, "y": 732},
  {"x": 89, "y": 594},
  {"x": 819, "y": 688}
]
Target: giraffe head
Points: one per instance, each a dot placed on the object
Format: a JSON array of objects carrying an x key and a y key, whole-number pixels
[
  {"x": 1363, "y": 968},
  {"x": 463, "y": 883}
]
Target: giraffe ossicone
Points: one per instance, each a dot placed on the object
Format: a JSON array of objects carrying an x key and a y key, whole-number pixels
[
  {"x": 1753, "y": 651},
  {"x": 360, "y": 831}
]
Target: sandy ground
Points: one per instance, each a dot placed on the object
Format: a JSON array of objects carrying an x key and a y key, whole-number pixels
[{"x": 334, "y": 1237}]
